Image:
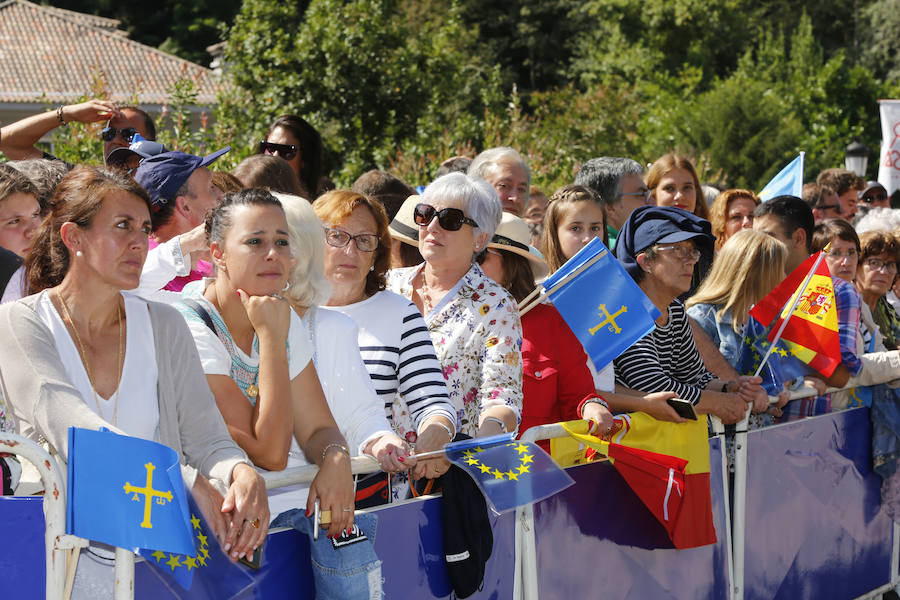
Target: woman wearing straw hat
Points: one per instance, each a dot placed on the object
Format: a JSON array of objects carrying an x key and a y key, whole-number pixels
[
  {"x": 557, "y": 384},
  {"x": 405, "y": 236}
]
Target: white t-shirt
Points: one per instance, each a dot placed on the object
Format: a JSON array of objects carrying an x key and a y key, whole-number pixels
[
  {"x": 15, "y": 288},
  {"x": 138, "y": 401}
]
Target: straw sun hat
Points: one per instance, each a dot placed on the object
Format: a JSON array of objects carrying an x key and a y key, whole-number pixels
[
  {"x": 404, "y": 227},
  {"x": 513, "y": 235}
]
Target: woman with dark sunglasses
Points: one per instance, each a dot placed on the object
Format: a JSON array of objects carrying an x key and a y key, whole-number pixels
[
  {"x": 293, "y": 139},
  {"x": 473, "y": 322}
]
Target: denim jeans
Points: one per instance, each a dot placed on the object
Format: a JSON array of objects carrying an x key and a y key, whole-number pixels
[{"x": 351, "y": 572}]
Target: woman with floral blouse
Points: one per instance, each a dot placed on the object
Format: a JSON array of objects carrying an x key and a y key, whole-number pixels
[{"x": 473, "y": 322}]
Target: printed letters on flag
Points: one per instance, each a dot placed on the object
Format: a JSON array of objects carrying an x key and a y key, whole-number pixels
[
  {"x": 665, "y": 464},
  {"x": 510, "y": 473},
  {"x": 602, "y": 305},
  {"x": 889, "y": 165},
  {"x": 207, "y": 572},
  {"x": 812, "y": 331},
  {"x": 126, "y": 492},
  {"x": 788, "y": 181}
]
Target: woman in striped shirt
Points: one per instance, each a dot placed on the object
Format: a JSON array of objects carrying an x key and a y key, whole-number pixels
[{"x": 393, "y": 339}]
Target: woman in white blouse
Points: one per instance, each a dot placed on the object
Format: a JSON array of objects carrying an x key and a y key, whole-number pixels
[
  {"x": 473, "y": 322},
  {"x": 256, "y": 355},
  {"x": 393, "y": 338}
]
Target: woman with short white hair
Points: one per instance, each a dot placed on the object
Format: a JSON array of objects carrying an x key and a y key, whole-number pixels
[{"x": 473, "y": 322}]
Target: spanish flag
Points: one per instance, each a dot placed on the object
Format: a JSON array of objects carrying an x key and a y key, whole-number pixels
[
  {"x": 665, "y": 464},
  {"x": 811, "y": 331}
]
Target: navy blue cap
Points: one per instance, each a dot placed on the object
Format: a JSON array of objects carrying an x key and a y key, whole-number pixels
[
  {"x": 139, "y": 147},
  {"x": 649, "y": 225},
  {"x": 164, "y": 174}
]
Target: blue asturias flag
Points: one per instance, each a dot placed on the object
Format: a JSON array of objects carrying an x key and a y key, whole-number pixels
[
  {"x": 780, "y": 368},
  {"x": 788, "y": 181},
  {"x": 207, "y": 573},
  {"x": 510, "y": 473},
  {"x": 126, "y": 492},
  {"x": 602, "y": 305}
]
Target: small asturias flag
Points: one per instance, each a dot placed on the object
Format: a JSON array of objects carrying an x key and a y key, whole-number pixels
[
  {"x": 788, "y": 181},
  {"x": 602, "y": 305},
  {"x": 205, "y": 573},
  {"x": 510, "y": 473},
  {"x": 126, "y": 492},
  {"x": 811, "y": 331}
]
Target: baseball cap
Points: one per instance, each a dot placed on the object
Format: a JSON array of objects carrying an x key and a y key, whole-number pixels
[
  {"x": 118, "y": 157},
  {"x": 164, "y": 174}
]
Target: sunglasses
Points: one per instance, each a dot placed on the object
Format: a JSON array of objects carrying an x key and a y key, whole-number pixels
[
  {"x": 285, "y": 151},
  {"x": 109, "y": 133},
  {"x": 870, "y": 198},
  {"x": 450, "y": 219}
]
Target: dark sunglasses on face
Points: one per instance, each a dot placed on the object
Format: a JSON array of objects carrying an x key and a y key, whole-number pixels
[
  {"x": 285, "y": 151},
  {"x": 109, "y": 133},
  {"x": 870, "y": 198},
  {"x": 450, "y": 219}
]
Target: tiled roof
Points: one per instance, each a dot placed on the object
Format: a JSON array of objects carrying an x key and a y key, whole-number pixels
[{"x": 53, "y": 55}]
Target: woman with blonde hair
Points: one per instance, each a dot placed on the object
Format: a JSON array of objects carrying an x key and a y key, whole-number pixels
[
  {"x": 747, "y": 268},
  {"x": 673, "y": 181},
  {"x": 731, "y": 211}
]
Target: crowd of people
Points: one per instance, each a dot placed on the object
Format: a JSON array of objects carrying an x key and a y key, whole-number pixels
[{"x": 258, "y": 319}]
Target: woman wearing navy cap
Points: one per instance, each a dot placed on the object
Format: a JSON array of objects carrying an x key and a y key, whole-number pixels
[{"x": 659, "y": 247}]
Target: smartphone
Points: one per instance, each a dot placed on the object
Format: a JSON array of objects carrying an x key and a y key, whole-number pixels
[
  {"x": 253, "y": 561},
  {"x": 684, "y": 408}
]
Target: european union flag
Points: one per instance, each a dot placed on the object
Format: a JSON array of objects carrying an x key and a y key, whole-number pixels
[
  {"x": 602, "y": 304},
  {"x": 788, "y": 181},
  {"x": 205, "y": 573},
  {"x": 780, "y": 368},
  {"x": 126, "y": 492},
  {"x": 510, "y": 473}
]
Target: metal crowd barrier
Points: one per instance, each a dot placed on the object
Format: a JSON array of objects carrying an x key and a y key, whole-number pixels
[{"x": 58, "y": 544}]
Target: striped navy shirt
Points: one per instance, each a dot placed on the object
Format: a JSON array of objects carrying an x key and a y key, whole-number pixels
[
  {"x": 665, "y": 359},
  {"x": 397, "y": 351}
]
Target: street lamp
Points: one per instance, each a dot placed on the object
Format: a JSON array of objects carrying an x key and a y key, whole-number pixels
[{"x": 856, "y": 156}]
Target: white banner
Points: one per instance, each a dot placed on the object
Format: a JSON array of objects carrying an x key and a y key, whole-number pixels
[{"x": 889, "y": 163}]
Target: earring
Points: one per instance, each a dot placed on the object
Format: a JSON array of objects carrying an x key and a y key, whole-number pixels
[
  {"x": 372, "y": 268},
  {"x": 78, "y": 253},
  {"x": 287, "y": 286}
]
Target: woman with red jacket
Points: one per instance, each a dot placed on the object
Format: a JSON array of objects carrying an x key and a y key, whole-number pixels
[{"x": 557, "y": 384}]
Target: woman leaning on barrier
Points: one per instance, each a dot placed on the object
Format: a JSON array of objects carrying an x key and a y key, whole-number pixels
[
  {"x": 99, "y": 358},
  {"x": 473, "y": 322}
]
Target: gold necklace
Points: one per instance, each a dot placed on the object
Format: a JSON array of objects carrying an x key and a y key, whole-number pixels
[
  {"x": 87, "y": 367},
  {"x": 426, "y": 297}
]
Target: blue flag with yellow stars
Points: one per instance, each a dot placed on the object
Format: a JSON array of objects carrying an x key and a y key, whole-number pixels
[
  {"x": 207, "y": 572},
  {"x": 782, "y": 365},
  {"x": 602, "y": 305},
  {"x": 509, "y": 472},
  {"x": 126, "y": 492}
]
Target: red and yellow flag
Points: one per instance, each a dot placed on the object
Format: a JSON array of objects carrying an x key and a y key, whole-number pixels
[
  {"x": 811, "y": 332},
  {"x": 665, "y": 464}
]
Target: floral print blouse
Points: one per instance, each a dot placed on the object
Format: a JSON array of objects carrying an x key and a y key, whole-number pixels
[{"x": 477, "y": 336}]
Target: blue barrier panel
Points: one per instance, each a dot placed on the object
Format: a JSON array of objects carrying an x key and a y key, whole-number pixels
[
  {"x": 597, "y": 540},
  {"x": 409, "y": 544},
  {"x": 22, "y": 559},
  {"x": 815, "y": 526}
]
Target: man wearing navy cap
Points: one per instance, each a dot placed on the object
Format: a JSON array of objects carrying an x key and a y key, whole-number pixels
[{"x": 180, "y": 186}]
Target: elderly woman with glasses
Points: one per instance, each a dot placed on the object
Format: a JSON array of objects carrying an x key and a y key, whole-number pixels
[
  {"x": 659, "y": 247},
  {"x": 875, "y": 275},
  {"x": 473, "y": 322},
  {"x": 393, "y": 338}
]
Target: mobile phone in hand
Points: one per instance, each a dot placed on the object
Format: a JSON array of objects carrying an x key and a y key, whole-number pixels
[
  {"x": 684, "y": 408},
  {"x": 253, "y": 561}
]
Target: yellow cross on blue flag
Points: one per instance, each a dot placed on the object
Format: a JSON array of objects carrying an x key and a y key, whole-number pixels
[
  {"x": 126, "y": 492},
  {"x": 509, "y": 472},
  {"x": 601, "y": 303}
]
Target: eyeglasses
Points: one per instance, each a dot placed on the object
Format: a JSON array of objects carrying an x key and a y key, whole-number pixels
[
  {"x": 876, "y": 264},
  {"x": 285, "y": 151},
  {"x": 837, "y": 254},
  {"x": 683, "y": 253},
  {"x": 828, "y": 206},
  {"x": 365, "y": 242},
  {"x": 451, "y": 219},
  {"x": 109, "y": 133},
  {"x": 645, "y": 193}
]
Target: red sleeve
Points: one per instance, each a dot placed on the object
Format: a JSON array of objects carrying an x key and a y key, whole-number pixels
[{"x": 575, "y": 384}]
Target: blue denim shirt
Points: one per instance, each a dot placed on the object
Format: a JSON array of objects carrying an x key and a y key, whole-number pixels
[{"x": 719, "y": 330}]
